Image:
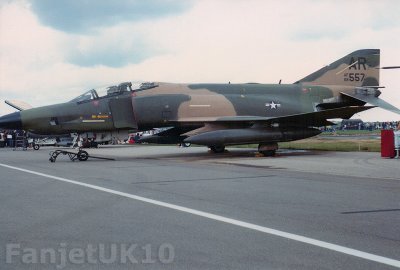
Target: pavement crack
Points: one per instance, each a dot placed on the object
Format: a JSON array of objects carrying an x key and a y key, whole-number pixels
[{"x": 371, "y": 211}]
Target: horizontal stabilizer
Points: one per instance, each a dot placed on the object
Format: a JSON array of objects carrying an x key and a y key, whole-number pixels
[
  {"x": 19, "y": 105},
  {"x": 371, "y": 99}
]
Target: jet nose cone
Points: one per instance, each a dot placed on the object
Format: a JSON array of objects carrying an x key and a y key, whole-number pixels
[{"x": 11, "y": 121}]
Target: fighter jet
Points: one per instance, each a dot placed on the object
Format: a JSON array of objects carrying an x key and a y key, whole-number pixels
[{"x": 219, "y": 115}]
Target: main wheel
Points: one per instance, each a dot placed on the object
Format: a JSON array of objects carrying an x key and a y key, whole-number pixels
[
  {"x": 268, "y": 149},
  {"x": 83, "y": 155},
  {"x": 217, "y": 148},
  {"x": 36, "y": 146},
  {"x": 268, "y": 153}
]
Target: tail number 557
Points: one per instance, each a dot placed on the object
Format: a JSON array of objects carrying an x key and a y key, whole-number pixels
[{"x": 357, "y": 77}]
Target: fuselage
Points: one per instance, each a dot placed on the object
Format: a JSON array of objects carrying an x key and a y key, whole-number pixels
[{"x": 169, "y": 104}]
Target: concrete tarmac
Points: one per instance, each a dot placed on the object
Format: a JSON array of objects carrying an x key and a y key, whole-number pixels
[{"x": 184, "y": 208}]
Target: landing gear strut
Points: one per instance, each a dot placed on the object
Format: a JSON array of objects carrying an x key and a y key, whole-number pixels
[
  {"x": 217, "y": 148},
  {"x": 268, "y": 149}
]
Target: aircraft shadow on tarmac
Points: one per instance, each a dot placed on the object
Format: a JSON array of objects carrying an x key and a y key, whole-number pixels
[{"x": 232, "y": 153}]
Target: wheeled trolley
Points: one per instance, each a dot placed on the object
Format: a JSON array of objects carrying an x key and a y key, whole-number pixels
[{"x": 81, "y": 155}]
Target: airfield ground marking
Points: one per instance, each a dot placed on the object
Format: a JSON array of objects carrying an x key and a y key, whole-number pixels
[{"x": 291, "y": 236}]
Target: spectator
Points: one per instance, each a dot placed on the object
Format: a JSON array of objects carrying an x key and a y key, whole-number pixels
[
  {"x": 9, "y": 139},
  {"x": 5, "y": 138},
  {"x": 137, "y": 138}
]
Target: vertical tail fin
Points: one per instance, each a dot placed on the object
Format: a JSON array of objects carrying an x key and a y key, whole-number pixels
[{"x": 359, "y": 68}]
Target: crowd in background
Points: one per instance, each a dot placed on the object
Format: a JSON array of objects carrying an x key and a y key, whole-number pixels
[
  {"x": 8, "y": 137},
  {"x": 357, "y": 124}
]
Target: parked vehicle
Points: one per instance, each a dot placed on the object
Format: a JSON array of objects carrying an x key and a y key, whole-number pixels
[
  {"x": 64, "y": 141},
  {"x": 45, "y": 142}
]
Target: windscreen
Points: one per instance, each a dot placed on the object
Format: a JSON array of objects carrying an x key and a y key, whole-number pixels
[
  {"x": 89, "y": 95},
  {"x": 113, "y": 90}
]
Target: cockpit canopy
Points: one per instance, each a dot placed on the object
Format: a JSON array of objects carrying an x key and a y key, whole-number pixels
[{"x": 114, "y": 90}]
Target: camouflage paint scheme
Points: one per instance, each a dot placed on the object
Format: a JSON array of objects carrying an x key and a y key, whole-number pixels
[{"x": 221, "y": 114}]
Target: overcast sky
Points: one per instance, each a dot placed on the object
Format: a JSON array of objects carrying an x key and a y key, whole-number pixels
[{"x": 51, "y": 51}]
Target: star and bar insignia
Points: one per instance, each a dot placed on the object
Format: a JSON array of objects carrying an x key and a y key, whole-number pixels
[{"x": 273, "y": 105}]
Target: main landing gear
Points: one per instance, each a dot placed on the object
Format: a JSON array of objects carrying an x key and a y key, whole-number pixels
[
  {"x": 217, "y": 149},
  {"x": 268, "y": 149}
]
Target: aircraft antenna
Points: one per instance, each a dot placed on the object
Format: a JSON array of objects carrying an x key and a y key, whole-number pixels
[{"x": 390, "y": 67}]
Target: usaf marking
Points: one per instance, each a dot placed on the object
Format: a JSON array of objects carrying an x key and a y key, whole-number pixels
[
  {"x": 358, "y": 77},
  {"x": 273, "y": 105},
  {"x": 361, "y": 61},
  {"x": 356, "y": 65}
]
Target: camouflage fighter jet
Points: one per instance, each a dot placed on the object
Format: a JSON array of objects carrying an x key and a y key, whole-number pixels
[{"x": 217, "y": 115}]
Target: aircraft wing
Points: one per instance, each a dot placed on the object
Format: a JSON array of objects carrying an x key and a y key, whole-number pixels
[
  {"x": 318, "y": 118},
  {"x": 240, "y": 126},
  {"x": 248, "y": 129}
]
